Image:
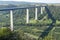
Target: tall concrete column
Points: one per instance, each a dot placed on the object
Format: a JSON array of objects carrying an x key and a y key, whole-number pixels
[
  {"x": 41, "y": 10},
  {"x": 27, "y": 15},
  {"x": 11, "y": 20},
  {"x": 36, "y": 14}
]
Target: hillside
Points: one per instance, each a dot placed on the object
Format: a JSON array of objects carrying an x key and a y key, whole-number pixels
[{"x": 47, "y": 26}]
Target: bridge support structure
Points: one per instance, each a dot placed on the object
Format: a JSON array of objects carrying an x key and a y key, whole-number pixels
[
  {"x": 27, "y": 15},
  {"x": 42, "y": 9},
  {"x": 11, "y": 20},
  {"x": 36, "y": 13}
]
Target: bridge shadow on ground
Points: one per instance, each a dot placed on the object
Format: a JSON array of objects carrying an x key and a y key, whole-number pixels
[{"x": 45, "y": 33}]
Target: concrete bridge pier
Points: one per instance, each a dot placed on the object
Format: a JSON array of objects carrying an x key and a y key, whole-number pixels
[
  {"x": 36, "y": 14},
  {"x": 42, "y": 9},
  {"x": 27, "y": 15},
  {"x": 11, "y": 20}
]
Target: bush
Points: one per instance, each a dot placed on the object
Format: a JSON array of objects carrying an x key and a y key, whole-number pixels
[{"x": 5, "y": 33}]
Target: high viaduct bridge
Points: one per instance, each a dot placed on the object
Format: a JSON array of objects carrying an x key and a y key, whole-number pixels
[{"x": 42, "y": 8}]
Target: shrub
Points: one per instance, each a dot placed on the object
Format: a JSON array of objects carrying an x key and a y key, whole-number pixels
[{"x": 5, "y": 33}]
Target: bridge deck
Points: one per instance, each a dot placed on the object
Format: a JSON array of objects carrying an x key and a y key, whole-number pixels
[{"x": 15, "y": 8}]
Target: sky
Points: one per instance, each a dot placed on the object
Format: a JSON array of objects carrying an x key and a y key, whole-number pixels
[{"x": 44, "y": 1}]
